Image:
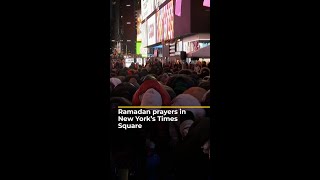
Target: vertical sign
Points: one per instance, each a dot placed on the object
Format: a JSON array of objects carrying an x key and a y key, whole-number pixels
[
  {"x": 152, "y": 30},
  {"x": 178, "y": 7}
]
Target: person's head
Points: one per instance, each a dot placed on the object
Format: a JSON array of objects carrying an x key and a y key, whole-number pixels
[
  {"x": 125, "y": 90},
  {"x": 204, "y": 64},
  {"x": 115, "y": 81},
  {"x": 206, "y": 148},
  {"x": 151, "y": 93},
  {"x": 189, "y": 100},
  {"x": 186, "y": 121},
  {"x": 196, "y": 92},
  {"x": 180, "y": 82}
]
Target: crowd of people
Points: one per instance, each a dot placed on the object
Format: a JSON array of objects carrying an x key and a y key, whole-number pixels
[{"x": 161, "y": 150}]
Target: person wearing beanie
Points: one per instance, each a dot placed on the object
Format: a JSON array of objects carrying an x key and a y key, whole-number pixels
[
  {"x": 115, "y": 81},
  {"x": 122, "y": 78},
  {"x": 204, "y": 72},
  {"x": 180, "y": 82},
  {"x": 170, "y": 91},
  {"x": 148, "y": 77},
  {"x": 186, "y": 120},
  {"x": 143, "y": 72},
  {"x": 154, "y": 84},
  {"x": 204, "y": 84},
  {"x": 133, "y": 76},
  {"x": 164, "y": 78},
  {"x": 125, "y": 90},
  {"x": 194, "y": 147},
  {"x": 196, "y": 92},
  {"x": 189, "y": 100},
  {"x": 134, "y": 82}
]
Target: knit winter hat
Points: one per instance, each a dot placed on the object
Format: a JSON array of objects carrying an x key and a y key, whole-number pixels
[
  {"x": 189, "y": 100},
  {"x": 180, "y": 82},
  {"x": 196, "y": 92},
  {"x": 151, "y": 98},
  {"x": 125, "y": 90},
  {"x": 115, "y": 81}
]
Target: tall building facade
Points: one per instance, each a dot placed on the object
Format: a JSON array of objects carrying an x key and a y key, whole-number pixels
[{"x": 123, "y": 26}]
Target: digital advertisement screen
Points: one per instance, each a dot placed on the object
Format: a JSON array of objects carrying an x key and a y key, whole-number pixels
[
  {"x": 138, "y": 48},
  {"x": 152, "y": 30},
  {"x": 139, "y": 38},
  {"x": 165, "y": 26},
  {"x": 144, "y": 39},
  {"x": 147, "y": 7}
]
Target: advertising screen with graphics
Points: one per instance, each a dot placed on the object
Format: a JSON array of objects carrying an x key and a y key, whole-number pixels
[
  {"x": 144, "y": 39},
  {"x": 152, "y": 30},
  {"x": 139, "y": 38},
  {"x": 138, "y": 48},
  {"x": 147, "y": 7},
  {"x": 165, "y": 24}
]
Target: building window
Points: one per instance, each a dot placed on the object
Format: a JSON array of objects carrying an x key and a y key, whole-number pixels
[{"x": 128, "y": 40}]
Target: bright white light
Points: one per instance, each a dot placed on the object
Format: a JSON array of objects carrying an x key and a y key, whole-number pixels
[
  {"x": 128, "y": 5},
  {"x": 128, "y": 22},
  {"x": 129, "y": 40}
]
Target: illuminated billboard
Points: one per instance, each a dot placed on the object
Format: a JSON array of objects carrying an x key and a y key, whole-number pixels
[
  {"x": 165, "y": 26},
  {"x": 147, "y": 7},
  {"x": 139, "y": 34},
  {"x": 152, "y": 30},
  {"x": 138, "y": 48},
  {"x": 144, "y": 39}
]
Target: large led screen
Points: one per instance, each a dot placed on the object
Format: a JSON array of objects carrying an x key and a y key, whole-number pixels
[
  {"x": 165, "y": 26},
  {"x": 147, "y": 7},
  {"x": 144, "y": 39},
  {"x": 138, "y": 48},
  {"x": 152, "y": 30},
  {"x": 139, "y": 34}
]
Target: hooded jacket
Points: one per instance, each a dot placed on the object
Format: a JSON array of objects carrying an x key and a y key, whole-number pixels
[{"x": 148, "y": 84}]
